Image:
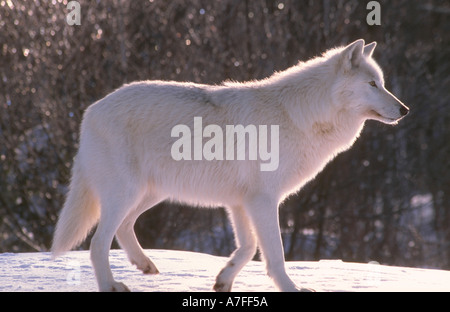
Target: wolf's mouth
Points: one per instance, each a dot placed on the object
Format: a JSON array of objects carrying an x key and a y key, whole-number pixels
[{"x": 377, "y": 115}]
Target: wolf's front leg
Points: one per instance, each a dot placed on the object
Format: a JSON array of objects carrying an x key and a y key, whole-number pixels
[
  {"x": 263, "y": 212},
  {"x": 246, "y": 249}
]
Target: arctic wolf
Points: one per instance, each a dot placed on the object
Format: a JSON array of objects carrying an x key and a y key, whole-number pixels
[{"x": 124, "y": 165}]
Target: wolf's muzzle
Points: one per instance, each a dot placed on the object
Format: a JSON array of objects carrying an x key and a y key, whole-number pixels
[{"x": 404, "y": 110}]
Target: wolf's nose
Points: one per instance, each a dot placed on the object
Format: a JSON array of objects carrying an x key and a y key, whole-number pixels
[{"x": 404, "y": 110}]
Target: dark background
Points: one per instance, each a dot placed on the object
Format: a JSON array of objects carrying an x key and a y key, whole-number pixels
[{"x": 387, "y": 199}]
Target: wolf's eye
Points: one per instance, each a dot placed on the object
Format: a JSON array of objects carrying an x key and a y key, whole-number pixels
[{"x": 373, "y": 84}]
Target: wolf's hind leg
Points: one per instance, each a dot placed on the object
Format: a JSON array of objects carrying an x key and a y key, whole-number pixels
[
  {"x": 114, "y": 209},
  {"x": 128, "y": 241}
]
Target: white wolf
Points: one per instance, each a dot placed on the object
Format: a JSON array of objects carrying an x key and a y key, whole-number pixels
[{"x": 124, "y": 164}]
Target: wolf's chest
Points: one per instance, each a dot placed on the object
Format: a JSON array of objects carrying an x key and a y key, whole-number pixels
[{"x": 304, "y": 158}]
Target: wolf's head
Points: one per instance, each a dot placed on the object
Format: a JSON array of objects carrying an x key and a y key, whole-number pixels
[{"x": 360, "y": 85}]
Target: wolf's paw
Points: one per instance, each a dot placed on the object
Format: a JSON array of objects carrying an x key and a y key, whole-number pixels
[
  {"x": 152, "y": 269},
  {"x": 146, "y": 266},
  {"x": 222, "y": 287},
  {"x": 301, "y": 289},
  {"x": 223, "y": 281}
]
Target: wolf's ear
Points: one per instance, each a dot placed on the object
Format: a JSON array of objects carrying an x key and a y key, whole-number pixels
[
  {"x": 352, "y": 54},
  {"x": 368, "y": 49}
]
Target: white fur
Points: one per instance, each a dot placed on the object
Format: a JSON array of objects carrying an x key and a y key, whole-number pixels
[{"x": 124, "y": 164}]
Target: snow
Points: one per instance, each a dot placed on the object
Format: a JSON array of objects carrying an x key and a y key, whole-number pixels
[{"x": 183, "y": 271}]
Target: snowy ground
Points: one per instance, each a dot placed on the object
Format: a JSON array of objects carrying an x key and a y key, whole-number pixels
[{"x": 189, "y": 271}]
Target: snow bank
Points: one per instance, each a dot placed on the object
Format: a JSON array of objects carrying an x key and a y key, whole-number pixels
[{"x": 188, "y": 271}]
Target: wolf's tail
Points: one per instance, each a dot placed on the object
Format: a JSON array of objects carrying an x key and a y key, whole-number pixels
[{"x": 79, "y": 215}]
